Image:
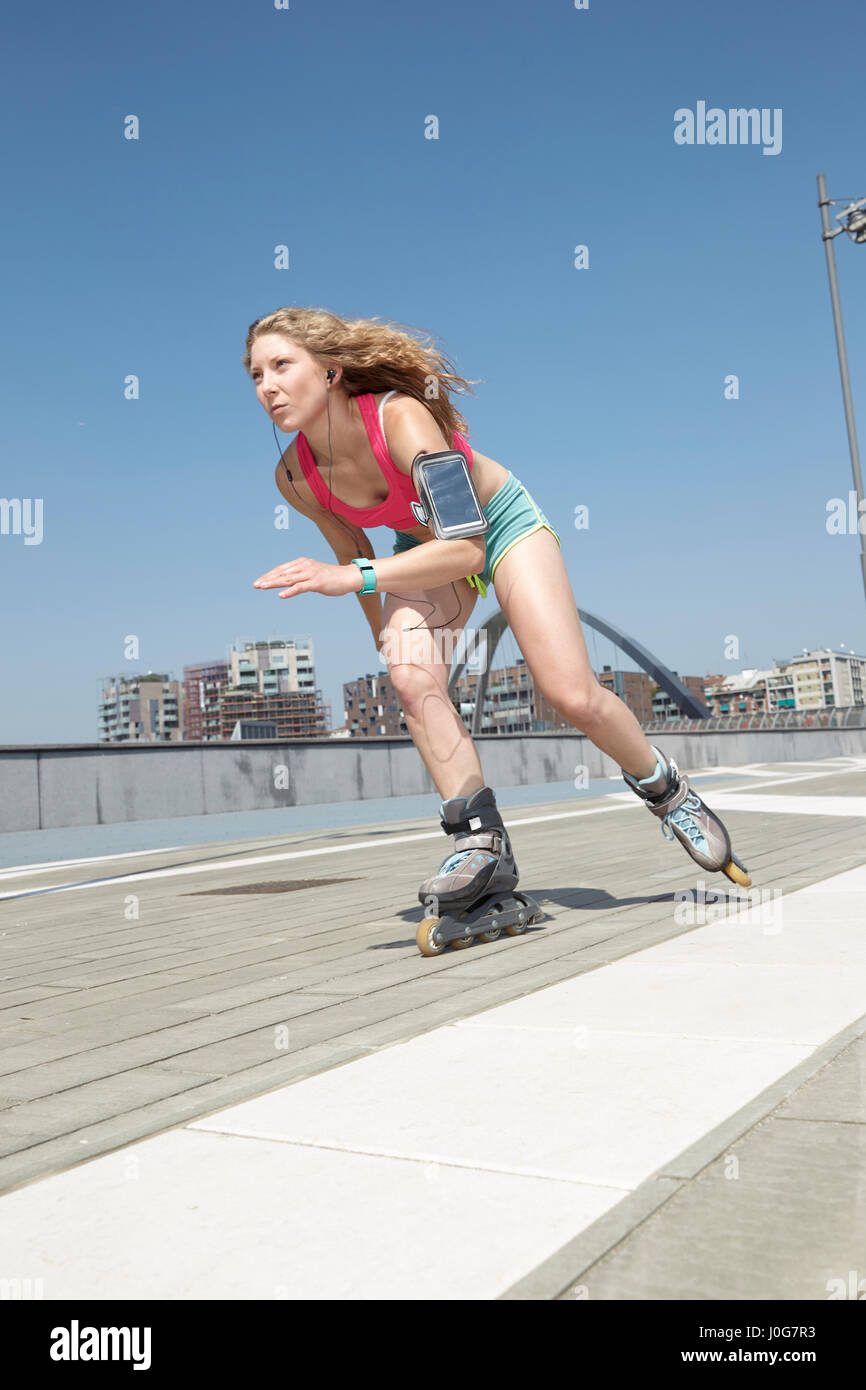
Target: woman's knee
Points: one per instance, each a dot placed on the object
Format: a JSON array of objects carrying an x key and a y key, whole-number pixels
[
  {"x": 415, "y": 681},
  {"x": 578, "y": 703}
]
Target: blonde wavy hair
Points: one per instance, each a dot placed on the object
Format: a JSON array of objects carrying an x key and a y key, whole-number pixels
[{"x": 375, "y": 355}]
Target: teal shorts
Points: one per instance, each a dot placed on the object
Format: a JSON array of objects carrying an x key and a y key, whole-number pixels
[{"x": 512, "y": 515}]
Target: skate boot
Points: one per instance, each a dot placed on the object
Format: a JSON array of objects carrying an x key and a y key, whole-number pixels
[
  {"x": 685, "y": 816},
  {"x": 472, "y": 894}
]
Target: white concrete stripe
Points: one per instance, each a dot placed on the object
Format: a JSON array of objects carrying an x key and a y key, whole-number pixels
[
  {"x": 24, "y": 870},
  {"x": 766, "y": 769},
  {"x": 759, "y": 771},
  {"x": 847, "y": 758},
  {"x": 772, "y": 781},
  {"x": 461, "y": 1159},
  {"x": 789, "y": 805},
  {"x": 723, "y": 800}
]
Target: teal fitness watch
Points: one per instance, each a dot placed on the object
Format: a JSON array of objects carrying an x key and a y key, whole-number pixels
[{"x": 369, "y": 585}]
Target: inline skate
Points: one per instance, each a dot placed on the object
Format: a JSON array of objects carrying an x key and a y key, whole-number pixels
[
  {"x": 472, "y": 894},
  {"x": 685, "y": 816}
]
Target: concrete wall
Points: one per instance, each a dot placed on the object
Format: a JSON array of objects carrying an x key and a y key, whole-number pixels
[{"x": 97, "y": 784}]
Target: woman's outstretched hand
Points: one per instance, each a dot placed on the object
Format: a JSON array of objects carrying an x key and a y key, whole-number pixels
[{"x": 305, "y": 576}]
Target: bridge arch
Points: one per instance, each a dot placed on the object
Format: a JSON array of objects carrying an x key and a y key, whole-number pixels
[{"x": 481, "y": 643}]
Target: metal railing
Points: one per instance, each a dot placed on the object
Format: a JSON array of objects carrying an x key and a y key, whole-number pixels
[{"x": 844, "y": 717}]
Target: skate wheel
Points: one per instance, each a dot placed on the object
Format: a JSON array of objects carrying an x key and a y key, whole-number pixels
[
  {"x": 531, "y": 914},
  {"x": 737, "y": 874},
  {"x": 461, "y": 943},
  {"x": 424, "y": 938},
  {"x": 491, "y": 935}
]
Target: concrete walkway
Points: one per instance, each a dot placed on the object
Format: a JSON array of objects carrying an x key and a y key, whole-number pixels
[{"x": 656, "y": 1093}]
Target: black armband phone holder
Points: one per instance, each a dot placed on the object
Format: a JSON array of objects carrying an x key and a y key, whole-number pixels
[{"x": 448, "y": 504}]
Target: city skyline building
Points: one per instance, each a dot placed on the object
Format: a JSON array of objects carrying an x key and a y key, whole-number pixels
[{"x": 260, "y": 685}]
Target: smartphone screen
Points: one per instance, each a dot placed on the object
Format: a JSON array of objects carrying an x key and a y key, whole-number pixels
[{"x": 454, "y": 498}]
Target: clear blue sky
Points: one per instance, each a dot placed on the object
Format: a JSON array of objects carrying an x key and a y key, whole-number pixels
[{"x": 604, "y": 386}]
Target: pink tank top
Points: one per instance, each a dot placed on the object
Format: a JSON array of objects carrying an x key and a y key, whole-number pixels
[{"x": 395, "y": 510}]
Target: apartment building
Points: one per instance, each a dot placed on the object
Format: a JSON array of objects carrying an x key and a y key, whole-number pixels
[
  {"x": 371, "y": 708},
  {"x": 634, "y": 688},
  {"x": 743, "y": 693},
  {"x": 203, "y": 687},
  {"x": 274, "y": 682},
  {"x": 821, "y": 678},
  {"x": 512, "y": 702},
  {"x": 817, "y": 679},
  {"x": 261, "y": 685},
  {"x": 140, "y": 709}
]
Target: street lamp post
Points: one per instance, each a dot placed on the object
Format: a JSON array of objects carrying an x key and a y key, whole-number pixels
[{"x": 853, "y": 220}]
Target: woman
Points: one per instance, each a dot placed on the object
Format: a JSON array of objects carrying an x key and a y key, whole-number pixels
[{"x": 366, "y": 398}]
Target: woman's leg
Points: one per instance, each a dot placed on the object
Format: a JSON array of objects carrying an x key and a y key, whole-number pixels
[
  {"x": 419, "y": 664},
  {"x": 534, "y": 592}
]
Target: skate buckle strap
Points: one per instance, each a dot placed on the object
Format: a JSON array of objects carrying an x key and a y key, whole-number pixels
[
  {"x": 667, "y": 804},
  {"x": 467, "y": 824},
  {"x": 485, "y": 839}
]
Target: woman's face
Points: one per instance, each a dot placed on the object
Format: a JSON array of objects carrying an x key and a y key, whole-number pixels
[{"x": 289, "y": 382}]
